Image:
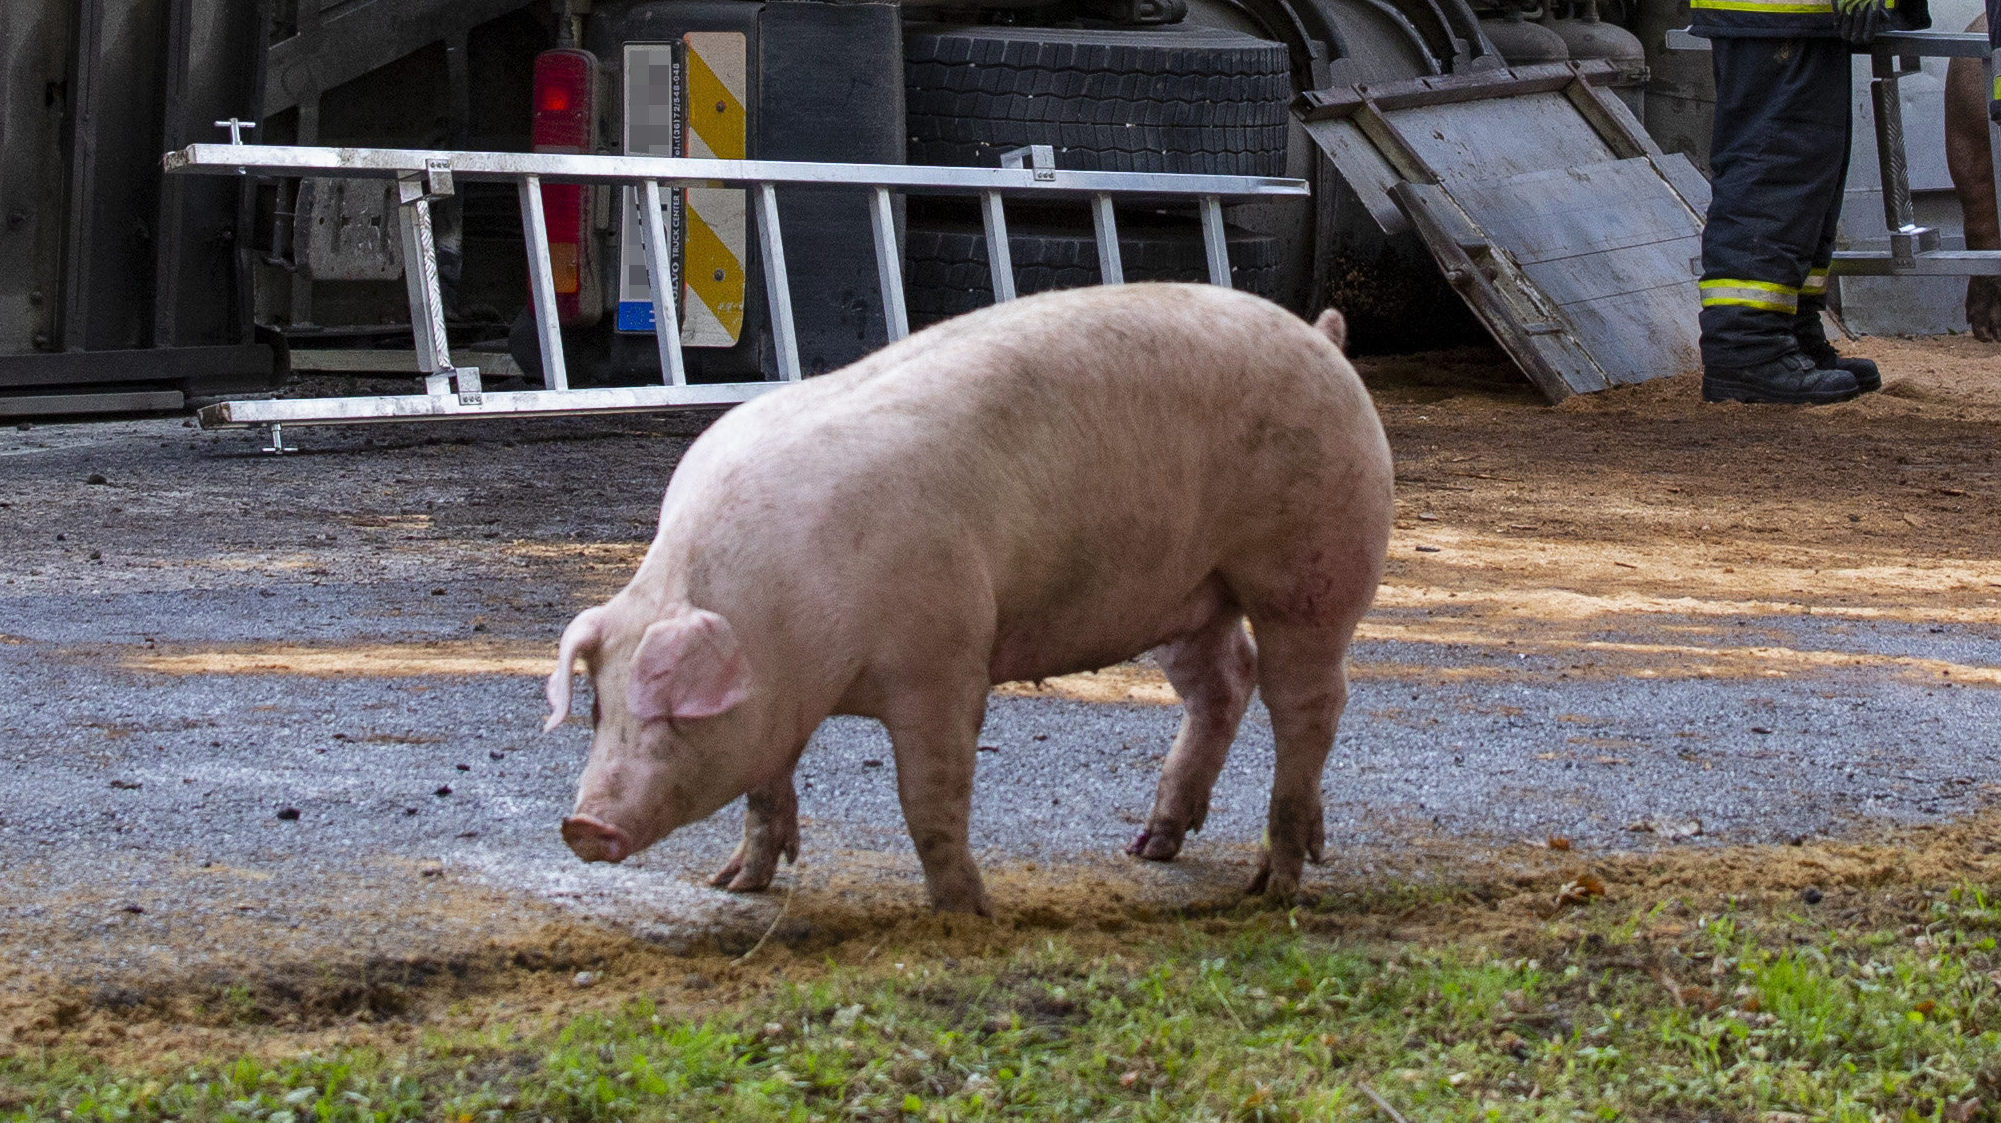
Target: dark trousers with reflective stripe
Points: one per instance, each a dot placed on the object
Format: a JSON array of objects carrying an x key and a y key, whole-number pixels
[{"x": 1778, "y": 160}]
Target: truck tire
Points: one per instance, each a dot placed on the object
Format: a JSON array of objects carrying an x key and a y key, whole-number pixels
[
  {"x": 1179, "y": 99},
  {"x": 948, "y": 275}
]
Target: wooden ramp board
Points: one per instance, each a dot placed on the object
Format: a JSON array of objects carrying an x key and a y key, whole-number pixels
[{"x": 1563, "y": 226}]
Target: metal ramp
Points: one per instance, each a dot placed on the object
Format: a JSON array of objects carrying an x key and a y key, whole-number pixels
[
  {"x": 451, "y": 391},
  {"x": 1564, "y": 227}
]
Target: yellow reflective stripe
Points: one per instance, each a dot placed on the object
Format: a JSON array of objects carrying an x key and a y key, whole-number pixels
[
  {"x": 715, "y": 106},
  {"x": 1774, "y": 7},
  {"x": 1763, "y": 295},
  {"x": 714, "y": 274},
  {"x": 1761, "y": 286},
  {"x": 1997, "y": 87},
  {"x": 1816, "y": 283}
]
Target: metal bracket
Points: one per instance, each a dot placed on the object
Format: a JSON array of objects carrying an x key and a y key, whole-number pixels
[
  {"x": 236, "y": 125},
  {"x": 1041, "y": 158},
  {"x": 429, "y": 186},
  {"x": 1907, "y": 242},
  {"x": 277, "y": 445}
]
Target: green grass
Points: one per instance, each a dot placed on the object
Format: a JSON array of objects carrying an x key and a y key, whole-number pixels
[{"x": 1743, "y": 1015}]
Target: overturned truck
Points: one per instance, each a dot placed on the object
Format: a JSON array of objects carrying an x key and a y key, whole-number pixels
[{"x": 1471, "y": 164}]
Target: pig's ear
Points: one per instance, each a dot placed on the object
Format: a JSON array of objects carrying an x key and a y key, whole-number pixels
[
  {"x": 583, "y": 635},
  {"x": 688, "y": 666}
]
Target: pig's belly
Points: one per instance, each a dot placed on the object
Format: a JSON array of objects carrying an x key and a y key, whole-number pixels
[{"x": 1087, "y": 634}]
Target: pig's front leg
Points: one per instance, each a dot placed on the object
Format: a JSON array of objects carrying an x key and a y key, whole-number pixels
[
  {"x": 936, "y": 741},
  {"x": 770, "y": 828}
]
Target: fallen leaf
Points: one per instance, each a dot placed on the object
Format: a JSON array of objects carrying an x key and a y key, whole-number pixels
[
  {"x": 1558, "y": 842},
  {"x": 1580, "y": 889}
]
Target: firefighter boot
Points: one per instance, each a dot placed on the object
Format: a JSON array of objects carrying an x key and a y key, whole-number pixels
[
  {"x": 1792, "y": 377},
  {"x": 1814, "y": 345}
]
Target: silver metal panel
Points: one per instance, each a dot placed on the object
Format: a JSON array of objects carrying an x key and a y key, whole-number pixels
[
  {"x": 1937, "y": 263},
  {"x": 889, "y": 264},
  {"x": 117, "y": 401},
  {"x": 427, "y": 304},
  {"x": 1111, "y": 270},
  {"x": 777, "y": 290},
  {"x": 1215, "y": 241},
  {"x": 660, "y": 278},
  {"x": 686, "y": 171},
  {"x": 525, "y": 403},
  {"x": 1926, "y": 44},
  {"x": 542, "y": 285},
  {"x": 1000, "y": 259}
]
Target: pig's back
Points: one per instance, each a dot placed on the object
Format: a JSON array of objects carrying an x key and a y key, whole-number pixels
[
  {"x": 1150, "y": 374},
  {"x": 1099, "y": 454}
]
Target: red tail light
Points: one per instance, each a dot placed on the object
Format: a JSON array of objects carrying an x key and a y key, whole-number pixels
[{"x": 565, "y": 108}]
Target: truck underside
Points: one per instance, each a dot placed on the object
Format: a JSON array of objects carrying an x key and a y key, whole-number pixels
[{"x": 240, "y": 283}]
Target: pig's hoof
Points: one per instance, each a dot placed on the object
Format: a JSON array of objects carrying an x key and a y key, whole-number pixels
[
  {"x": 741, "y": 876},
  {"x": 976, "y": 905},
  {"x": 1275, "y": 887},
  {"x": 1156, "y": 846}
]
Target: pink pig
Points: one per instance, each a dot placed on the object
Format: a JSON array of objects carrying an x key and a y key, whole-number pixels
[{"x": 1047, "y": 486}]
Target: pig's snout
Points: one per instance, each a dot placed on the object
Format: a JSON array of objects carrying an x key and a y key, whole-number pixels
[{"x": 595, "y": 840}]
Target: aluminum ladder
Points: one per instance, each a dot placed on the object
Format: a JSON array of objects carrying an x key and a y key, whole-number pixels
[{"x": 455, "y": 392}]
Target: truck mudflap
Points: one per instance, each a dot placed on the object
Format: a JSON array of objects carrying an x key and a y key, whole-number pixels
[{"x": 1564, "y": 227}]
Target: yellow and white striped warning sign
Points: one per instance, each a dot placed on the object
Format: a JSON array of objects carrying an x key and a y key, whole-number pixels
[
  {"x": 688, "y": 99},
  {"x": 713, "y": 247}
]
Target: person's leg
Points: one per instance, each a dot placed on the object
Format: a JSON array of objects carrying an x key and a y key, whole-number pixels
[
  {"x": 1778, "y": 157},
  {"x": 1807, "y": 327}
]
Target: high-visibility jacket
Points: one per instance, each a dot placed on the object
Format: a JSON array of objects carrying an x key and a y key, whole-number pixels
[{"x": 1787, "y": 19}]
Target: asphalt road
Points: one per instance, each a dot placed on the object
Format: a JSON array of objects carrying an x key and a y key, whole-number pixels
[{"x": 354, "y": 636}]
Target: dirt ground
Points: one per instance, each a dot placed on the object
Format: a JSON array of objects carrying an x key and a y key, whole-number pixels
[{"x": 1637, "y": 534}]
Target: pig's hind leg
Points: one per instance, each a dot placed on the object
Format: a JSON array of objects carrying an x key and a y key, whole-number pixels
[
  {"x": 1303, "y": 679},
  {"x": 770, "y": 829},
  {"x": 1214, "y": 670}
]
